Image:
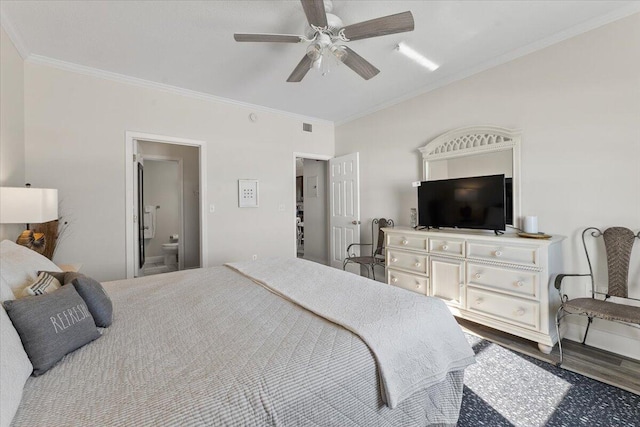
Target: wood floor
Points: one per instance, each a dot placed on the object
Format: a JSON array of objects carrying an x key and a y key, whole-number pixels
[{"x": 591, "y": 362}]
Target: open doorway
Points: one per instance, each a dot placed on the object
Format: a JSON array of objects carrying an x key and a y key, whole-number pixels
[
  {"x": 170, "y": 201},
  {"x": 311, "y": 201},
  {"x": 165, "y": 225}
]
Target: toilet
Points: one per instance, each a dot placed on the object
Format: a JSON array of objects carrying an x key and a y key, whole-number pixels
[{"x": 170, "y": 252}]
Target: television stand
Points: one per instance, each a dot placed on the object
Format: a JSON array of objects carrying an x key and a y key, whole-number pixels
[{"x": 500, "y": 281}]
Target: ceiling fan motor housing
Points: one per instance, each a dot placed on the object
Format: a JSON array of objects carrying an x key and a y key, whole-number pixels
[{"x": 334, "y": 25}]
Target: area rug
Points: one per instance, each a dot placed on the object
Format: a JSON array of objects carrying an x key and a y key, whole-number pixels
[{"x": 506, "y": 388}]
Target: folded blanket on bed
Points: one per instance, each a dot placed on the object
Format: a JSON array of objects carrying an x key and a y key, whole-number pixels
[{"x": 415, "y": 339}]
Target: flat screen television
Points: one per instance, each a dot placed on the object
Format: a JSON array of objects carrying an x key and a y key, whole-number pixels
[{"x": 477, "y": 202}]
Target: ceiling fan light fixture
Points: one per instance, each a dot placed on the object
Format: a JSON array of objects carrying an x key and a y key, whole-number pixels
[
  {"x": 416, "y": 57},
  {"x": 314, "y": 51},
  {"x": 340, "y": 52}
]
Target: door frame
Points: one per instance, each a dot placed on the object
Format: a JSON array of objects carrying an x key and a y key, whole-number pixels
[
  {"x": 163, "y": 158},
  {"x": 310, "y": 156},
  {"x": 130, "y": 211}
]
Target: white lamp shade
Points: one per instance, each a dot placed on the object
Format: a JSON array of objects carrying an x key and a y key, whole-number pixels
[{"x": 28, "y": 205}]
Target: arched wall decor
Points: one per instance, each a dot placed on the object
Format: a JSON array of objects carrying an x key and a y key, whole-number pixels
[{"x": 474, "y": 140}]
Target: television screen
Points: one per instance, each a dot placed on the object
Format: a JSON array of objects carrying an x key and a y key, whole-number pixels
[{"x": 475, "y": 202}]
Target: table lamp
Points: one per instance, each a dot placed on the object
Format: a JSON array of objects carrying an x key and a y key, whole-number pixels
[{"x": 28, "y": 205}]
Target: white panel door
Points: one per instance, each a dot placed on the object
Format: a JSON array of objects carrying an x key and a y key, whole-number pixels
[{"x": 344, "y": 207}]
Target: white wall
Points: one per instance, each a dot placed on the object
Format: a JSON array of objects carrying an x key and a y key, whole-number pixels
[
  {"x": 191, "y": 197},
  {"x": 315, "y": 212},
  {"x": 578, "y": 106},
  {"x": 75, "y": 128},
  {"x": 12, "y": 169}
]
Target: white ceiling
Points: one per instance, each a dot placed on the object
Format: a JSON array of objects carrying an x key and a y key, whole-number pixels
[{"x": 189, "y": 44}]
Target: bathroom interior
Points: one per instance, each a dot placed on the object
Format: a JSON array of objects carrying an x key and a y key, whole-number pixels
[{"x": 171, "y": 207}]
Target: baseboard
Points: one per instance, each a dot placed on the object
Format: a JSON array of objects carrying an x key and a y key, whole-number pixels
[
  {"x": 154, "y": 259},
  {"x": 605, "y": 340}
]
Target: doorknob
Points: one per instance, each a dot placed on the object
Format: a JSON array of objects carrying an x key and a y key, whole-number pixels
[{"x": 355, "y": 222}]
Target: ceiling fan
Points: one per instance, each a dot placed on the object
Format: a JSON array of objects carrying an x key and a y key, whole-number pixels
[{"x": 327, "y": 34}]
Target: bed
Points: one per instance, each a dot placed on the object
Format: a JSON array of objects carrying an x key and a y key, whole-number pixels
[{"x": 227, "y": 346}]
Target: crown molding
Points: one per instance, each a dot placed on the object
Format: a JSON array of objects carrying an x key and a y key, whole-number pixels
[
  {"x": 15, "y": 38},
  {"x": 135, "y": 81},
  {"x": 574, "y": 31}
]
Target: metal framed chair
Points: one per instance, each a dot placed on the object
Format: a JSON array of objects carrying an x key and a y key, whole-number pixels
[
  {"x": 377, "y": 248},
  {"x": 299, "y": 232},
  {"x": 618, "y": 243}
]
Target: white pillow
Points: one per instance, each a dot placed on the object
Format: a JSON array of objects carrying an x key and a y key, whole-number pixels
[
  {"x": 44, "y": 284},
  {"x": 5, "y": 291},
  {"x": 20, "y": 265},
  {"x": 15, "y": 368}
]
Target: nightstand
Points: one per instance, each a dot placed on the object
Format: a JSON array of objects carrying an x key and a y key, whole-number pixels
[{"x": 70, "y": 267}]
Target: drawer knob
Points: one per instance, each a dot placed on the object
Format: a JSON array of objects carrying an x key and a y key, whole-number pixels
[
  {"x": 394, "y": 280},
  {"x": 445, "y": 247},
  {"x": 478, "y": 275},
  {"x": 394, "y": 259},
  {"x": 417, "y": 285},
  {"x": 520, "y": 283},
  {"x": 479, "y": 301},
  {"x": 519, "y": 312},
  {"x": 405, "y": 242},
  {"x": 417, "y": 264},
  {"x": 498, "y": 253}
]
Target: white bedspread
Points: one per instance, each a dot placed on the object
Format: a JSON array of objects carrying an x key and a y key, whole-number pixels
[{"x": 415, "y": 339}]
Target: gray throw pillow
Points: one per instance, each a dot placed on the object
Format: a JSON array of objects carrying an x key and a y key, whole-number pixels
[
  {"x": 94, "y": 295},
  {"x": 51, "y": 325}
]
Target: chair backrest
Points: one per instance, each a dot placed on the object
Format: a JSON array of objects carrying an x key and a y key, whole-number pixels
[
  {"x": 618, "y": 242},
  {"x": 376, "y": 228}
]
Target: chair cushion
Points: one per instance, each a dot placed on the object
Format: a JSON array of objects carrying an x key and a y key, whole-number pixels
[
  {"x": 603, "y": 310},
  {"x": 365, "y": 260}
]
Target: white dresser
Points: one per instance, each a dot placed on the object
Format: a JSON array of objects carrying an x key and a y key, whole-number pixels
[{"x": 504, "y": 282}]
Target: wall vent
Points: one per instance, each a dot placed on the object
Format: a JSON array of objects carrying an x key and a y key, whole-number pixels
[{"x": 307, "y": 127}]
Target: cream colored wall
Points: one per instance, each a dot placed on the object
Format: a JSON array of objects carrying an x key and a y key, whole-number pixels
[
  {"x": 11, "y": 125},
  {"x": 315, "y": 212},
  {"x": 191, "y": 198},
  {"x": 75, "y": 141},
  {"x": 578, "y": 106}
]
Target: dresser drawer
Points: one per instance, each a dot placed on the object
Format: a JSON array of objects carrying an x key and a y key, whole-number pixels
[
  {"x": 407, "y": 261},
  {"x": 503, "y": 253},
  {"x": 446, "y": 247},
  {"x": 407, "y": 281},
  {"x": 516, "y": 311},
  {"x": 406, "y": 241},
  {"x": 517, "y": 282}
]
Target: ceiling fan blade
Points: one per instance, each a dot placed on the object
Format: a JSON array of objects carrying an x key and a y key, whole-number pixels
[
  {"x": 392, "y": 24},
  {"x": 274, "y": 38},
  {"x": 360, "y": 65},
  {"x": 314, "y": 9},
  {"x": 301, "y": 70}
]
